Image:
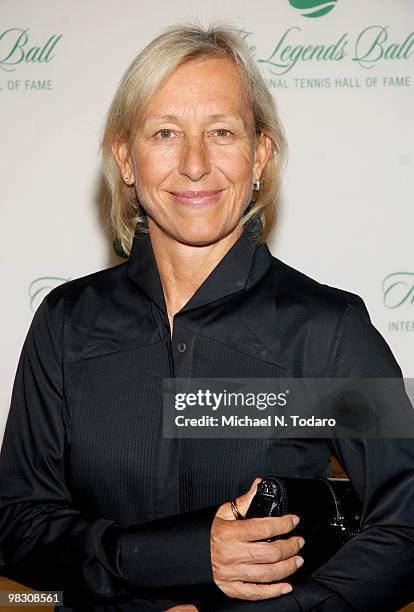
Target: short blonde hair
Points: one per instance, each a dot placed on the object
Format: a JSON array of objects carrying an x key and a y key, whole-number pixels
[{"x": 146, "y": 74}]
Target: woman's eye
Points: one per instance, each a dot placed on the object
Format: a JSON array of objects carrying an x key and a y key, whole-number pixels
[
  {"x": 164, "y": 134},
  {"x": 222, "y": 132}
]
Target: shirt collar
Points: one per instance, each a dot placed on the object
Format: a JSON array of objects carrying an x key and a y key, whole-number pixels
[{"x": 244, "y": 264}]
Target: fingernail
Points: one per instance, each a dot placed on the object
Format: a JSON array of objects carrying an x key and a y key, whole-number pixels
[
  {"x": 299, "y": 562},
  {"x": 296, "y": 520},
  {"x": 301, "y": 542},
  {"x": 286, "y": 589}
]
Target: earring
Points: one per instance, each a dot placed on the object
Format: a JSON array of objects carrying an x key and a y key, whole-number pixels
[
  {"x": 128, "y": 179},
  {"x": 256, "y": 185}
]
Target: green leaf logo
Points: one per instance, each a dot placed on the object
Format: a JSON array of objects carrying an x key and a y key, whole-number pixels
[{"x": 313, "y": 8}]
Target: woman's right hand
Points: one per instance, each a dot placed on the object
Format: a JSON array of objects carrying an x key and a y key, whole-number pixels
[{"x": 239, "y": 562}]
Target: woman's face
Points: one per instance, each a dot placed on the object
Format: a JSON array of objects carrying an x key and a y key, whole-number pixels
[{"x": 196, "y": 155}]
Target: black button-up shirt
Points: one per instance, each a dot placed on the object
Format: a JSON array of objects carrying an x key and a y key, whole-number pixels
[{"x": 93, "y": 499}]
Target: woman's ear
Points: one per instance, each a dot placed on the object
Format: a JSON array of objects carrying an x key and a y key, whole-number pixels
[
  {"x": 263, "y": 150},
  {"x": 123, "y": 159}
]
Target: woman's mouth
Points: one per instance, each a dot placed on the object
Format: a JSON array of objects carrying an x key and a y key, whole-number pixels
[{"x": 195, "y": 199}]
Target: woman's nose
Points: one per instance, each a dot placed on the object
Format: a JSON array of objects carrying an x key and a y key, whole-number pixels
[{"x": 194, "y": 161}]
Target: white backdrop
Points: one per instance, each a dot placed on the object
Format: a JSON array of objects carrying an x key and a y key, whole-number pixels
[{"x": 342, "y": 74}]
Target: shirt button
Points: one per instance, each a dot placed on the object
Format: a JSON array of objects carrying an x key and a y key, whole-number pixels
[{"x": 181, "y": 347}]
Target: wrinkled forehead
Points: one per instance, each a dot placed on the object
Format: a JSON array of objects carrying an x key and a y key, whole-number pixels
[{"x": 199, "y": 88}]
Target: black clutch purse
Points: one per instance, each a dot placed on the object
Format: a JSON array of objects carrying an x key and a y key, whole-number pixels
[{"x": 329, "y": 511}]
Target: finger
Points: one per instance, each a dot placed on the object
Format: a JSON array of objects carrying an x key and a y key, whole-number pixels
[
  {"x": 225, "y": 512},
  {"x": 182, "y": 609},
  {"x": 270, "y": 552},
  {"x": 243, "y": 501},
  {"x": 255, "y": 592},
  {"x": 254, "y": 529},
  {"x": 268, "y": 572}
]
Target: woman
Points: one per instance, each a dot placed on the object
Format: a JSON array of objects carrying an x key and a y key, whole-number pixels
[{"x": 94, "y": 500}]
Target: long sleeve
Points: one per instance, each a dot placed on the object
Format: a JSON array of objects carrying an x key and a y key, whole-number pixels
[
  {"x": 44, "y": 540},
  {"x": 375, "y": 570}
]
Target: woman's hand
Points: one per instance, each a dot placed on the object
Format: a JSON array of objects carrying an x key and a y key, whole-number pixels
[{"x": 239, "y": 562}]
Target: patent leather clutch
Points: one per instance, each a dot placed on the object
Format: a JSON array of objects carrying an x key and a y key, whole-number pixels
[{"x": 329, "y": 511}]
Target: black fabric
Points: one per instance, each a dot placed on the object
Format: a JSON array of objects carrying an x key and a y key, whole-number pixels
[{"x": 94, "y": 501}]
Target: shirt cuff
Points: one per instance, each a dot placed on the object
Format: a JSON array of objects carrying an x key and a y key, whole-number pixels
[{"x": 172, "y": 551}]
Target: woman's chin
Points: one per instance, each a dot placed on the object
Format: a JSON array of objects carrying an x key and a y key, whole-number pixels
[
  {"x": 201, "y": 236},
  {"x": 196, "y": 232}
]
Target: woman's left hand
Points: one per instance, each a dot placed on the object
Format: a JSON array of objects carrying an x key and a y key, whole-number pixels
[{"x": 183, "y": 608}]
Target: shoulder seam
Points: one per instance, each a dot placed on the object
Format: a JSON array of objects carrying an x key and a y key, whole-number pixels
[{"x": 358, "y": 302}]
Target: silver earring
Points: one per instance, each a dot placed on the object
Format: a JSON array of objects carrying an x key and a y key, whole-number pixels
[
  {"x": 127, "y": 179},
  {"x": 256, "y": 185}
]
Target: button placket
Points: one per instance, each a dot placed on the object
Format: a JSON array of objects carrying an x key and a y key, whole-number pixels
[{"x": 182, "y": 344}]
